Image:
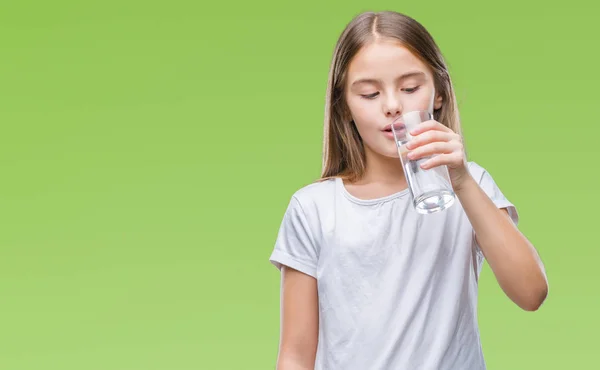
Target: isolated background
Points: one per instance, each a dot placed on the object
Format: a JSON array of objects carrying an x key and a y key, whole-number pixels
[{"x": 148, "y": 151}]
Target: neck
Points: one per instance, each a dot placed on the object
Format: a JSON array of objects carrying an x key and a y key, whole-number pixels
[{"x": 383, "y": 170}]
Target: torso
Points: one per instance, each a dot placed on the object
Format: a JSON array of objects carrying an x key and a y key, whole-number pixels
[{"x": 397, "y": 290}]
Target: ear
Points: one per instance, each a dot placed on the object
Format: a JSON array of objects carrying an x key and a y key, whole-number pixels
[{"x": 437, "y": 104}]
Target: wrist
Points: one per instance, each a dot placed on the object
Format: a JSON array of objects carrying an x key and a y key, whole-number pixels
[{"x": 463, "y": 184}]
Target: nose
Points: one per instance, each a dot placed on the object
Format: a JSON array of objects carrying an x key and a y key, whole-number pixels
[{"x": 392, "y": 107}]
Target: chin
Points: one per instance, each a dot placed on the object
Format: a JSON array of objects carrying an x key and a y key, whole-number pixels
[
  {"x": 391, "y": 151},
  {"x": 388, "y": 153},
  {"x": 393, "y": 155},
  {"x": 387, "y": 150}
]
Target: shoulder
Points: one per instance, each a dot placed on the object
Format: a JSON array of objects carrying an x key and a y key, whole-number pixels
[
  {"x": 481, "y": 175},
  {"x": 476, "y": 170},
  {"x": 301, "y": 228},
  {"x": 491, "y": 188},
  {"x": 315, "y": 193}
]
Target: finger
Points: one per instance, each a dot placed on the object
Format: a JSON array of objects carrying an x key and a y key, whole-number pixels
[
  {"x": 450, "y": 160},
  {"x": 428, "y": 137},
  {"x": 435, "y": 148},
  {"x": 429, "y": 125}
]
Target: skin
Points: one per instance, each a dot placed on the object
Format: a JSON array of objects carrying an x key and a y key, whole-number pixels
[
  {"x": 373, "y": 104},
  {"x": 299, "y": 321}
]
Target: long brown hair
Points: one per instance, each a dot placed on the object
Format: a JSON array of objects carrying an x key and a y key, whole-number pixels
[{"x": 343, "y": 150}]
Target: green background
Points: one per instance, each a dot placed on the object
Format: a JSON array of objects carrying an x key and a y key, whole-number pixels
[{"x": 148, "y": 151}]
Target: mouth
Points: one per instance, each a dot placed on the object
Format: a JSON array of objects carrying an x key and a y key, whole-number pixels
[{"x": 398, "y": 127}]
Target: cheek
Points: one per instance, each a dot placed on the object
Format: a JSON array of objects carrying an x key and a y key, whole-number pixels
[
  {"x": 367, "y": 118},
  {"x": 420, "y": 100},
  {"x": 362, "y": 111}
]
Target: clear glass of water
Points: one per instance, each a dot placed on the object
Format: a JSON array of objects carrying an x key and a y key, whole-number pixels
[{"x": 431, "y": 189}]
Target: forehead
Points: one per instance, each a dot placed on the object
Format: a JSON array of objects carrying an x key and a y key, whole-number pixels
[{"x": 384, "y": 58}]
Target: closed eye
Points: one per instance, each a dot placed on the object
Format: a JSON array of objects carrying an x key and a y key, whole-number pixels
[
  {"x": 370, "y": 96},
  {"x": 411, "y": 89}
]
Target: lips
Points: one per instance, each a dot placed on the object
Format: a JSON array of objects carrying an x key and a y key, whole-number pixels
[{"x": 399, "y": 127}]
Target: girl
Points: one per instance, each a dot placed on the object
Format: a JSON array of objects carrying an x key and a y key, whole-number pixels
[{"x": 368, "y": 283}]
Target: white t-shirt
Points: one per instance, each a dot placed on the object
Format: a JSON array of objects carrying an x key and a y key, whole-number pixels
[{"x": 397, "y": 290}]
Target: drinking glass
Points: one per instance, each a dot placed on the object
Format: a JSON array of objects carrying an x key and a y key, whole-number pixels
[{"x": 431, "y": 189}]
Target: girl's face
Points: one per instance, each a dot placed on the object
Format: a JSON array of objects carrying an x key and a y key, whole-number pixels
[{"x": 385, "y": 80}]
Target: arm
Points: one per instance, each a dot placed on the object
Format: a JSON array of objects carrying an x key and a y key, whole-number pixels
[
  {"x": 299, "y": 321},
  {"x": 512, "y": 258}
]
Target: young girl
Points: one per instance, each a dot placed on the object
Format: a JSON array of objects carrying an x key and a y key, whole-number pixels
[{"x": 367, "y": 282}]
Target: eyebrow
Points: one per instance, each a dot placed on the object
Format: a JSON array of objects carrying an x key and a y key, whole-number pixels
[{"x": 376, "y": 81}]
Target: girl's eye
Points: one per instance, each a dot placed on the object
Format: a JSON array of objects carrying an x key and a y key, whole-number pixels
[
  {"x": 411, "y": 90},
  {"x": 370, "y": 96}
]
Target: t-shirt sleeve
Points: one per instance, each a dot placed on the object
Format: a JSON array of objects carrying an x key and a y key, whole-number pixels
[
  {"x": 295, "y": 245},
  {"x": 489, "y": 186}
]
